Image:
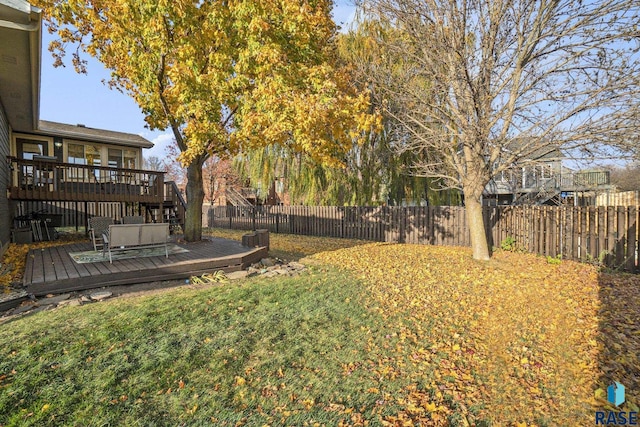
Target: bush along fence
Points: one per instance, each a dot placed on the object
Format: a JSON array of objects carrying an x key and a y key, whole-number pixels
[{"x": 604, "y": 235}]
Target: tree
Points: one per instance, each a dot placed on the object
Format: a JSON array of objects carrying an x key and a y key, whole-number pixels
[
  {"x": 223, "y": 76},
  {"x": 153, "y": 163},
  {"x": 626, "y": 178},
  {"x": 175, "y": 170},
  {"x": 370, "y": 172},
  {"x": 375, "y": 163},
  {"x": 218, "y": 175},
  {"x": 485, "y": 84}
]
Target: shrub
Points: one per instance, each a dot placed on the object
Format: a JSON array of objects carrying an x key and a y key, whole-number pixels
[
  {"x": 555, "y": 261},
  {"x": 508, "y": 244}
]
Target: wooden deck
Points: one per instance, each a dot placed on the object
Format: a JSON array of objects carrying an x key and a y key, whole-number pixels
[
  {"x": 53, "y": 271},
  {"x": 56, "y": 181}
]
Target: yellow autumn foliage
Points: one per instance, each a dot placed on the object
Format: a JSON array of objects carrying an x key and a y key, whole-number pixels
[
  {"x": 515, "y": 341},
  {"x": 223, "y": 76},
  {"x": 13, "y": 262}
]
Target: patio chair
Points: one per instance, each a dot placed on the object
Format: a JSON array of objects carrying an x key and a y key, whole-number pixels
[
  {"x": 134, "y": 219},
  {"x": 99, "y": 225}
]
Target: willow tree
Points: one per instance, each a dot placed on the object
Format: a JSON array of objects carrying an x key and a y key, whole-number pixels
[
  {"x": 506, "y": 81},
  {"x": 305, "y": 181},
  {"x": 376, "y": 162},
  {"x": 221, "y": 75},
  {"x": 370, "y": 172}
]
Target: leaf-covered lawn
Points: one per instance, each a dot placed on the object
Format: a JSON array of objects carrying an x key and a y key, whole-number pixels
[
  {"x": 517, "y": 340},
  {"x": 377, "y": 334}
]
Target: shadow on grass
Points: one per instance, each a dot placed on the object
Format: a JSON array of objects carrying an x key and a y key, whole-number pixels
[
  {"x": 619, "y": 335},
  {"x": 283, "y": 352}
]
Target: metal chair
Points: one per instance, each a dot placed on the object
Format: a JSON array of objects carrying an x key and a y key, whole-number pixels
[
  {"x": 134, "y": 219},
  {"x": 99, "y": 225}
]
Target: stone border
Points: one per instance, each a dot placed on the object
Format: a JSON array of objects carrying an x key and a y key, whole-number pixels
[{"x": 24, "y": 304}]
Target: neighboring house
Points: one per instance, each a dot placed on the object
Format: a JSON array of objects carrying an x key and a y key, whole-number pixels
[
  {"x": 54, "y": 162},
  {"x": 278, "y": 194},
  {"x": 544, "y": 180}
]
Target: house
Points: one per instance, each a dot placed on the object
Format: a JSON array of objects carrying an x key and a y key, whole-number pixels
[
  {"x": 52, "y": 164},
  {"x": 63, "y": 162},
  {"x": 543, "y": 179}
]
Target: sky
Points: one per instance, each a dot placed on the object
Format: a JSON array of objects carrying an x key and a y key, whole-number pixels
[{"x": 72, "y": 98}]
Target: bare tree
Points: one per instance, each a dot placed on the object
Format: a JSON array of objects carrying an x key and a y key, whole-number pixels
[
  {"x": 153, "y": 163},
  {"x": 626, "y": 178},
  {"x": 218, "y": 175},
  {"x": 484, "y": 84}
]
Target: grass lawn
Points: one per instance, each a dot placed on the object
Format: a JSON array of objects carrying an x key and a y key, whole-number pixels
[
  {"x": 291, "y": 247},
  {"x": 375, "y": 334}
]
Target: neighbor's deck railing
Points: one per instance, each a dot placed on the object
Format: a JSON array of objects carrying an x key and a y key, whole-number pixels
[
  {"x": 574, "y": 181},
  {"x": 51, "y": 180}
]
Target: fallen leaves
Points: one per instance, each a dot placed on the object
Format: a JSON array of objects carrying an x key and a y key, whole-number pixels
[
  {"x": 290, "y": 246},
  {"x": 511, "y": 341},
  {"x": 13, "y": 262},
  {"x": 15, "y": 257}
]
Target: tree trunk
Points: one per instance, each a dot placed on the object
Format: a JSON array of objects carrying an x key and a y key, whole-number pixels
[
  {"x": 479, "y": 242},
  {"x": 195, "y": 197}
]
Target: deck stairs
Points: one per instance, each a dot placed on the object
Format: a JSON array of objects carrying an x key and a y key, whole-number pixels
[{"x": 236, "y": 198}]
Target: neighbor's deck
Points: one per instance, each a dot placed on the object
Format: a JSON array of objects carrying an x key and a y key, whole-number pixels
[{"x": 52, "y": 271}]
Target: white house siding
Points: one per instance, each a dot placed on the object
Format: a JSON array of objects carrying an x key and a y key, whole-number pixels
[{"x": 5, "y": 215}]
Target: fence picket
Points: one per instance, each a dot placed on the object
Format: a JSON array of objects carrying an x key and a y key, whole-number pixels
[
  {"x": 630, "y": 264},
  {"x": 620, "y": 232}
]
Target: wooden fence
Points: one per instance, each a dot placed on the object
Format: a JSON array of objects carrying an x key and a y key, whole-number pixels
[{"x": 603, "y": 235}]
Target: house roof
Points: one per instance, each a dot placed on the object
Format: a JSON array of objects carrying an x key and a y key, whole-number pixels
[
  {"x": 20, "y": 33},
  {"x": 20, "y": 50},
  {"x": 538, "y": 151},
  {"x": 84, "y": 133}
]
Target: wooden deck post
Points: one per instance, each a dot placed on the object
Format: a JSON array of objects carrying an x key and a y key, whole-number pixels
[
  {"x": 250, "y": 240},
  {"x": 263, "y": 238}
]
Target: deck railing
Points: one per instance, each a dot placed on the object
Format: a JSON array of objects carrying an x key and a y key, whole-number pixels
[
  {"x": 576, "y": 181},
  {"x": 45, "y": 179},
  {"x": 591, "y": 179}
]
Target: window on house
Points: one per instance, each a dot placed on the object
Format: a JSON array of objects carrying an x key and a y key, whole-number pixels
[
  {"x": 122, "y": 158},
  {"x": 129, "y": 159},
  {"x": 545, "y": 171},
  {"x": 29, "y": 148},
  {"x": 83, "y": 154},
  {"x": 76, "y": 154},
  {"x": 115, "y": 158}
]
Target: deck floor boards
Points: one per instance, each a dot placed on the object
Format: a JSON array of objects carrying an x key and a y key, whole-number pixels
[{"x": 52, "y": 270}]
